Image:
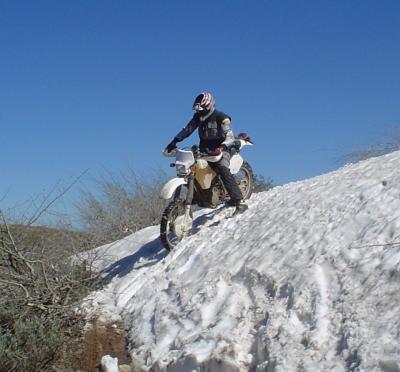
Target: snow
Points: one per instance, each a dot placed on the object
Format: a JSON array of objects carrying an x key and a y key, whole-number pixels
[
  {"x": 307, "y": 279},
  {"x": 109, "y": 364}
]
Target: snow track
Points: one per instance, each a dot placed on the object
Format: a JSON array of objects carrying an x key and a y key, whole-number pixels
[{"x": 308, "y": 279}]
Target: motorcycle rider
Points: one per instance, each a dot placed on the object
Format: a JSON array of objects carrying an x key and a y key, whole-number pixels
[{"x": 216, "y": 135}]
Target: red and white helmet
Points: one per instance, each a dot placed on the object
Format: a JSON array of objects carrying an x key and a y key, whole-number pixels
[{"x": 204, "y": 103}]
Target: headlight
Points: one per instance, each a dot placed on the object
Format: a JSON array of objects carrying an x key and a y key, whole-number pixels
[{"x": 181, "y": 170}]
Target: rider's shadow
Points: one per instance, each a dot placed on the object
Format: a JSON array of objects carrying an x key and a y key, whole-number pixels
[{"x": 148, "y": 255}]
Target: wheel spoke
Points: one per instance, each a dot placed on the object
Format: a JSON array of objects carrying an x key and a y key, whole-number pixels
[
  {"x": 175, "y": 225},
  {"x": 244, "y": 179}
]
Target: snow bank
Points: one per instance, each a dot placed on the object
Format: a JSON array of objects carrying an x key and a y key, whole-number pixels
[{"x": 306, "y": 279}]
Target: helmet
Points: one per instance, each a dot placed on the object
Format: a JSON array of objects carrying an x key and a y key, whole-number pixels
[
  {"x": 244, "y": 136},
  {"x": 204, "y": 103}
]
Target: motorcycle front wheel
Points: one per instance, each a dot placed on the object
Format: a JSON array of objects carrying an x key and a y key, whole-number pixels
[{"x": 176, "y": 224}]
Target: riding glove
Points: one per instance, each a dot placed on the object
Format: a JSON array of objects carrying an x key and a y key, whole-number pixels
[{"x": 172, "y": 145}]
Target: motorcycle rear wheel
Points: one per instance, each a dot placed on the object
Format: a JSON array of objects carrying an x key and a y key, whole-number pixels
[
  {"x": 175, "y": 224},
  {"x": 245, "y": 180}
]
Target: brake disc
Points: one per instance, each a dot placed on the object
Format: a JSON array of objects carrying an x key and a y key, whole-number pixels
[{"x": 182, "y": 225}]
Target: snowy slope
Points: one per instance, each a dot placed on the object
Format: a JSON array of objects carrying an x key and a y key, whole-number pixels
[{"x": 308, "y": 279}]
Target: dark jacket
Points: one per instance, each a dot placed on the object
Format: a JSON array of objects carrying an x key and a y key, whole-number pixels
[{"x": 214, "y": 130}]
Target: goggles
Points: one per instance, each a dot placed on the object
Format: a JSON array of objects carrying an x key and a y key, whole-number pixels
[{"x": 198, "y": 108}]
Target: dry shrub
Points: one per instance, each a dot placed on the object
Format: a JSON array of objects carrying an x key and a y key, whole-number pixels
[{"x": 122, "y": 205}]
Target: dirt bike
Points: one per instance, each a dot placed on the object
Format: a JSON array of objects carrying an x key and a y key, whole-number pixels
[{"x": 197, "y": 184}]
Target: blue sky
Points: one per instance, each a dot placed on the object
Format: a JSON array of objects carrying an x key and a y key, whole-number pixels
[{"x": 101, "y": 84}]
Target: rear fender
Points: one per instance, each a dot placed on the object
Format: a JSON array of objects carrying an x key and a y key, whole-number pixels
[
  {"x": 235, "y": 163},
  {"x": 169, "y": 188}
]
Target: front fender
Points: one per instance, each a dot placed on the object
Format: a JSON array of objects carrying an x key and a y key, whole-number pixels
[{"x": 169, "y": 188}]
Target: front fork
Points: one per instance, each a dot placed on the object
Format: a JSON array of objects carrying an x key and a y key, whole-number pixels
[
  {"x": 187, "y": 218},
  {"x": 189, "y": 196},
  {"x": 190, "y": 191}
]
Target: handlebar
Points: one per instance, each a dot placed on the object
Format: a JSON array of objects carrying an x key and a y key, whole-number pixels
[
  {"x": 203, "y": 154},
  {"x": 196, "y": 153}
]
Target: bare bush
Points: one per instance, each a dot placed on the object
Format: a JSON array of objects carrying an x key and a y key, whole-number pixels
[
  {"x": 123, "y": 205},
  {"x": 39, "y": 288},
  {"x": 390, "y": 143},
  {"x": 262, "y": 184},
  {"x": 35, "y": 273}
]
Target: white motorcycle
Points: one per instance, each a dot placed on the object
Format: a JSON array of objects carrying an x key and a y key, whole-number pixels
[{"x": 197, "y": 184}]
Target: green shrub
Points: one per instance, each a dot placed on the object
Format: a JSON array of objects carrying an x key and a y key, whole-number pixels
[{"x": 30, "y": 344}]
